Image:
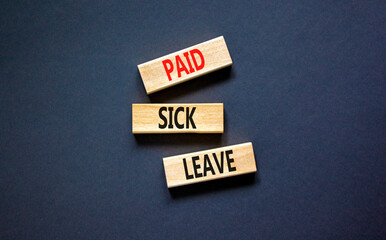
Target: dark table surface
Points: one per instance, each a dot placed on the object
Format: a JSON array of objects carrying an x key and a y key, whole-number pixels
[{"x": 307, "y": 87}]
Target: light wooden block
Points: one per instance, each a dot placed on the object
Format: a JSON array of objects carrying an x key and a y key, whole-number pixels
[
  {"x": 185, "y": 64},
  {"x": 209, "y": 165},
  {"x": 178, "y": 118}
]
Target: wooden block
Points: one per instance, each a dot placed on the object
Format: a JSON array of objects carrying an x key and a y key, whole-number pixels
[
  {"x": 185, "y": 64},
  {"x": 178, "y": 118},
  {"x": 209, "y": 165}
]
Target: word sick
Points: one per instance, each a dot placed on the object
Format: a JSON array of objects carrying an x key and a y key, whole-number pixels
[{"x": 189, "y": 117}]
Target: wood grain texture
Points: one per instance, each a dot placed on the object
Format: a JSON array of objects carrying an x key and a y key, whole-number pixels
[
  {"x": 215, "y": 54},
  {"x": 179, "y": 173},
  {"x": 207, "y": 118}
]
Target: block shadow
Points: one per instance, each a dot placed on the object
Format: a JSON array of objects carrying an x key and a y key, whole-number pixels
[
  {"x": 215, "y": 185},
  {"x": 196, "y": 84},
  {"x": 178, "y": 139}
]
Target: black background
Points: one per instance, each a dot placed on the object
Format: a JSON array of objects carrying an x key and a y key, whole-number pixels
[{"x": 307, "y": 87}]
